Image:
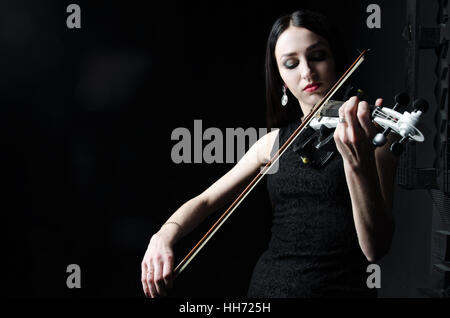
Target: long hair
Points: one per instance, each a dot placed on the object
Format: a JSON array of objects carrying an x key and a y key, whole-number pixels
[{"x": 276, "y": 114}]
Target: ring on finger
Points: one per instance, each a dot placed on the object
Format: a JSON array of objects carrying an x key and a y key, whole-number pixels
[{"x": 342, "y": 119}]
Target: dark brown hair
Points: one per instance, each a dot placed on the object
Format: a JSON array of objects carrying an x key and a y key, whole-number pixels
[{"x": 278, "y": 115}]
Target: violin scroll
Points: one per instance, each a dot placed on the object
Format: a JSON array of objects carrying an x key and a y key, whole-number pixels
[
  {"x": 317, "y": 141},
  {"x": 401, "y": 99},
  {"x": 402, "y": 124}
]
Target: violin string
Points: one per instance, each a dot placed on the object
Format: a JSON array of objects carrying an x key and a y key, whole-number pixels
[
  {"x": 382, "y": 114},
  {"x": 386, "y": 115},
  {"x": 389, "y": 118}
]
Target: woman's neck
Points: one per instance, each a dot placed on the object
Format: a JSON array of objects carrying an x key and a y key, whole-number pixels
[{"x": 306, "y": 109}]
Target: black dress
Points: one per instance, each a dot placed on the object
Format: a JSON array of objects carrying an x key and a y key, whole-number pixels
[{"x": 313, "y": 250}]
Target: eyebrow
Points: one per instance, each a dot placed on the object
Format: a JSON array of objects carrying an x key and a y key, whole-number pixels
[{"x": 309, "y": 48}]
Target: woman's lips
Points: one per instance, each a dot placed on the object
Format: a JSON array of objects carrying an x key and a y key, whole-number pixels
[{"x": 312, "y": 87}]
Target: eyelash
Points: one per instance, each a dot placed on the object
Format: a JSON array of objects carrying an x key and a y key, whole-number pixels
[{"x": 315, "y": 57}]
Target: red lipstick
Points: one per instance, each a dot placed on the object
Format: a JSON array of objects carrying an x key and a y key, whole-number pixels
[{"x": 312, "y": 87}]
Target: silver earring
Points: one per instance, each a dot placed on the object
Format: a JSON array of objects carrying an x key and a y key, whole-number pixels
[{"x": 284, "y": 99}]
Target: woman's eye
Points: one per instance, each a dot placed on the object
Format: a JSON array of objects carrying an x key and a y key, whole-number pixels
[
  {"x": 318, "y": 56},
  {"x": 290, "y": 64}
]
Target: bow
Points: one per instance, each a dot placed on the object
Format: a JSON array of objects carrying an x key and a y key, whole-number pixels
[{"x": 314, "y": 111}]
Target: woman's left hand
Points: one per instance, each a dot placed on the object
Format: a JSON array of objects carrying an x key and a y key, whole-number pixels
[{"x": 354, "y": 135}]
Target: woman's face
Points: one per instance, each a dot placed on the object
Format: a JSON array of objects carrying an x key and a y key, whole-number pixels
[{"x": 306, "y": 65}]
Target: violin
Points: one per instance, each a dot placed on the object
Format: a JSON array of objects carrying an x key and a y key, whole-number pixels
[
  {"x": 314, "y": 138},
  {"x": 316, "y": 144}
]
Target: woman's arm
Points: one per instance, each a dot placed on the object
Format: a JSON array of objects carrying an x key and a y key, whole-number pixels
[
  {"x": 221, "y": 192},
  {"x": 157, "y": 264},
  {"x": 370, "y": 178}
]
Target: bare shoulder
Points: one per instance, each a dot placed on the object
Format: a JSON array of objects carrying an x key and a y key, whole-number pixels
[{"x": 266, "y": 144}]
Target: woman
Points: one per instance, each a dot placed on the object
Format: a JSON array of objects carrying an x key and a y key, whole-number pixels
[{"x": 328, "y": 223}]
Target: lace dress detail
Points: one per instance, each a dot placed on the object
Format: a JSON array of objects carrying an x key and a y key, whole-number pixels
[{"x": 313, "y": 250}]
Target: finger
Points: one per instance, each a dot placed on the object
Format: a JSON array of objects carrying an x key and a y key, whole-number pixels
[
  {"x": 144, "y": 279},
  {"x": 379, "y": 102},
  {"x": 353, "y": 127},
  {"x": 336, "y": 137},
  {"x": 341, "y": 115},
  {"x": 151, "y": 280},
  {"x": 340, "y": 134},
  {"x": 168, "y": 271},
  {"x": 363, "y": 115},
  {"x": 159, "y": 282},
  {"x": 340, "y": 138}
]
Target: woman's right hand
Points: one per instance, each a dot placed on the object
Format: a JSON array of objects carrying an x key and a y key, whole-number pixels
[{"x": 157, "y": 266}]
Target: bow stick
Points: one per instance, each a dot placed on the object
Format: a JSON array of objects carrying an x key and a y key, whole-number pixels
[{"x": 315, "y": 110}]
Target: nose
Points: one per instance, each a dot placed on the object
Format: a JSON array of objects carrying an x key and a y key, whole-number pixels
[{"x": 305, "y": 70}]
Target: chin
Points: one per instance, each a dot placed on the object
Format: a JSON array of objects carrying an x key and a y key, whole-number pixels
[{"x": 313, "y": 100}]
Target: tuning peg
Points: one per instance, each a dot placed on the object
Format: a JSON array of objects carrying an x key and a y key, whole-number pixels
[
  {"x": 420, "y": 105},
  {"x": 401, "y": 99},
  {"x": 397, "y": 147},
  {"x": 380, "y": 138}
]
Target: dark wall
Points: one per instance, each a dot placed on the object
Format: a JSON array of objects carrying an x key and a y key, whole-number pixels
[
  {"x": 409, "y": 262},
  {"x": 87, "y": 117}
]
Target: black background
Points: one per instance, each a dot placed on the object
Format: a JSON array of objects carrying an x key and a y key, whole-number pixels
[{"x": 87, "y": 116}]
